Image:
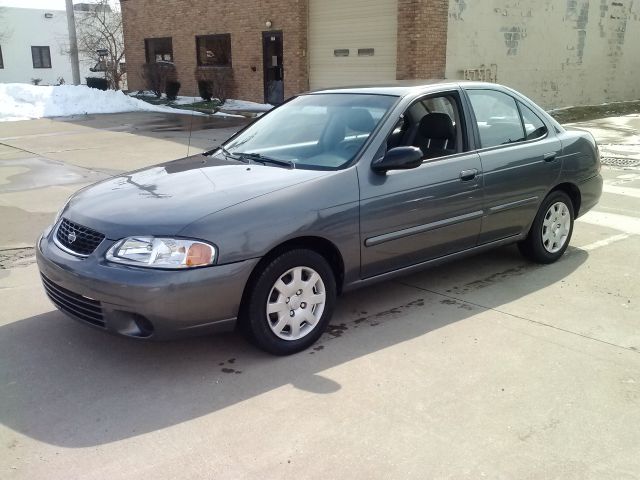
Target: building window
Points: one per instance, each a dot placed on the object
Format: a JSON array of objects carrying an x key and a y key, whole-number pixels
[
  {"x": 41, "y": 57},
  {"x": 214, "y": 50},
  {"x": 1, "y": 60},
  {"x": 366, "y": 52},
  {"x": 158, "y": 49}
]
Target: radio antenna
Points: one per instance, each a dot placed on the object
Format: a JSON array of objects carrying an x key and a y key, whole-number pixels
[{"x": 191, "y": 126}]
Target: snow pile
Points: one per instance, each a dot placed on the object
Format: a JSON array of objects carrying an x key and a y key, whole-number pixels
[
  {"x": 230, "y": 105},
  {"x": 21, "y": 101},
  {"x": 245, "y": 106}
]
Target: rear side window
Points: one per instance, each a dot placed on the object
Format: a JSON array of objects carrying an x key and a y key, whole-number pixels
[
  {"x": 533, "y": 126},
  {"x": 498, "y": 118}
]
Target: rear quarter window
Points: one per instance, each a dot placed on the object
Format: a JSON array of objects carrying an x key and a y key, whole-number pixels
[{"x": 534, "y": 127}]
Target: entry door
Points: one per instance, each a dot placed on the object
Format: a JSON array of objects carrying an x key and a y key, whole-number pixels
[
  {"x": 408, "y": 217},
  {"x": 520, "y": 160},
  {"x": 272, "y": 48},
  {"x": 517, "y": 178},
  {"x": 412, "y": 216}
]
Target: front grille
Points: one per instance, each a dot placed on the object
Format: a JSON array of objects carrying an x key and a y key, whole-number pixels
[
  {"x": 83, "y": 308},
  {"x": 78, "y": 239}
]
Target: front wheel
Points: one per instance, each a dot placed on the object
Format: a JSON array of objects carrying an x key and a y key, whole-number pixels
[
  {"x": 290, "y": 303},
  {"x": 551, "y": 230}
]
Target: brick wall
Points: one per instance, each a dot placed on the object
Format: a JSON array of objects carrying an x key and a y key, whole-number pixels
[
  {"x": 422, "y": 38},
  {"x": 245, "y": 21}
]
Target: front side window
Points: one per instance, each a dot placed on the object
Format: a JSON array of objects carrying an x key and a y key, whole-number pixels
[
  {"x": 159, "y": 49},
  {"x": 41, "y": 57},
  {"x": 497, "y": 116},
  {"x": 214, "y": 50},
  {"x": 320, "y": 131},
  {"x": 432, "y": 124}
]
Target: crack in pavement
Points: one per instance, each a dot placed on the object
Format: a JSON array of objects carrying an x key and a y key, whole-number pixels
[
  {"x": 103, "y": 171},
  {"x": 17, "y": 257},
  {"x": 537, "y": 322},
  {"x": 43, "y": 172}
]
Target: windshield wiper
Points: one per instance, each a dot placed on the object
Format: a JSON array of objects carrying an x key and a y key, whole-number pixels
[
  {"x": 232, "y": 156},
  {"x": 257, "y": 157}
]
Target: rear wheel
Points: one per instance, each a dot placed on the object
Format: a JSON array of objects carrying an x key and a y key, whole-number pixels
[
  {"x": 551, "y": 230},
  {"x": 290, "y": 303}
]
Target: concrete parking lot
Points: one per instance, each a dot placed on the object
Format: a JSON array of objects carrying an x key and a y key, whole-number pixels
[{"x": 490, "y": 367}]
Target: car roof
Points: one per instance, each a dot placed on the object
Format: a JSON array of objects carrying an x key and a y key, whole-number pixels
[{"x": 407, "y": 87}]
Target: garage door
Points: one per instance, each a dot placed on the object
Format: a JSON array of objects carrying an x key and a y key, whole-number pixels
[{"x": 352, "y": 42}]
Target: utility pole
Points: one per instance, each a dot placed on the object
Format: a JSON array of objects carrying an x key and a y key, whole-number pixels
[{"x": 73, "y": 43}]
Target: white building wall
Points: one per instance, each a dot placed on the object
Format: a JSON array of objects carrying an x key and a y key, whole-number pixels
[
  {"x": 29, "y": 27},
  {"x": 557, "y": 52}
]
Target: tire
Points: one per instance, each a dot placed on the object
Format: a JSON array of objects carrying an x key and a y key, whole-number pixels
[
  {"x": 545, "y": 244},
  {"x": 290, "y": 302}
]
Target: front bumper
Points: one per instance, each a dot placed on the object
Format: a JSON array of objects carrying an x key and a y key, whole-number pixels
[{"x": 138, "y": 302}]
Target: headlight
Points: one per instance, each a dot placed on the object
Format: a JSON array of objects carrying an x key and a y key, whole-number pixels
[{"x": 155, "y": 252}]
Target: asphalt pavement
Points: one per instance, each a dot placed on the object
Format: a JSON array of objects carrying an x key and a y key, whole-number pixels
[{"x": 489, "y": 367}]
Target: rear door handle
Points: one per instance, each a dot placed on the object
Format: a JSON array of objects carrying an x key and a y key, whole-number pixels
[
  {"x": 467, "y": 175},
  {"x": 550, "y": 157}
]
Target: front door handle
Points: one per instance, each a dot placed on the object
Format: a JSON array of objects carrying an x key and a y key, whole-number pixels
[
  {"x": 550, "y": 157},
  {"x": 467, "y": 175}
]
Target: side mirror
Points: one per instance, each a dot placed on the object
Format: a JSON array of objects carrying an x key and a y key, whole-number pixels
[{"x": 399, "y": 158}]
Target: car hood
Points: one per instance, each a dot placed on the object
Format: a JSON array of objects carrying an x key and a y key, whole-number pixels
[{"x": 163, "y": 199}]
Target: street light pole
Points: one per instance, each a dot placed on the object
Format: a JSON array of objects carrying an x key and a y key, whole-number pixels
[{"x": 73, "y": 43}]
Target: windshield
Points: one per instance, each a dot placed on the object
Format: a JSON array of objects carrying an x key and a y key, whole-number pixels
[{"x": 320, "y": 131}]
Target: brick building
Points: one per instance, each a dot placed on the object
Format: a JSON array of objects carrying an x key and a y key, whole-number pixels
[
  {"x": 559, "y": 52},
  {"x": 306, "y": 43}
]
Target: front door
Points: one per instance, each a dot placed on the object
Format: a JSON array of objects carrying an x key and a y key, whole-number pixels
[
  {"x": 272, "y": 49},
  {"x": 411, "y": 216}
]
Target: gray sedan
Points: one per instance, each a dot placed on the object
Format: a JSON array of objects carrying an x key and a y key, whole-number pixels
[{"x": 331, "y": 191}]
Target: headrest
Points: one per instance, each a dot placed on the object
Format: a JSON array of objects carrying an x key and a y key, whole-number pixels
[
  {"x": 437, "y": 126},
  {"x": 336, "y": 132},
  {"x": 360, "y": 120}
]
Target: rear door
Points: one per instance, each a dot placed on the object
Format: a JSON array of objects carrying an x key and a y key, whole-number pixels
[
  {"x": 520, "y": 161},
  {"x": 411, "y": 216}
]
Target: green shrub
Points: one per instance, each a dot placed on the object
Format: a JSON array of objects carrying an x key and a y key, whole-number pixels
[{"x": 173, "y": 87}]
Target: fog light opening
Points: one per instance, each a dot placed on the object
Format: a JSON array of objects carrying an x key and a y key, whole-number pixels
[
  {"x": 131, "y": 324},
  {"x": 144, "y": 325}
]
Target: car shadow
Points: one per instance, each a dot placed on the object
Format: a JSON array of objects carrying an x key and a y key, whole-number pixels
[{"x": 68, "y": 385}]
